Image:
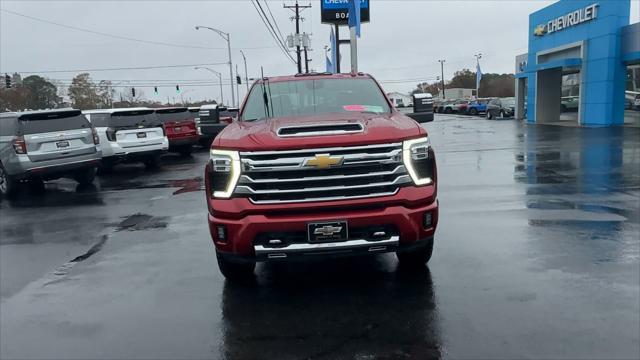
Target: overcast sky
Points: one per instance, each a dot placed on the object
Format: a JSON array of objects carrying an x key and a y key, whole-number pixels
[{"x": 400, "y": 45}]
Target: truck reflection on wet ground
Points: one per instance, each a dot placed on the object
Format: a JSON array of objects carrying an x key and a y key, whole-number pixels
[{"x": 358, "y": 308}]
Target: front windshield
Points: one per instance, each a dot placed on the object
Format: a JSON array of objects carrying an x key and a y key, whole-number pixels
[{"x": 314, "y": 96}]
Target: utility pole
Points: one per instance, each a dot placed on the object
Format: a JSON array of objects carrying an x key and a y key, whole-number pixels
[
  {"x": 246, "y": 74},
  {"x": 297, "y": 8},
  {"x": 442, "y": 70}
]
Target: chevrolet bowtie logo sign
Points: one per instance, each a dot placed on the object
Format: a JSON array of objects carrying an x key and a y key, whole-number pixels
[
  {"x": 327, "y": 230},
  {"x": 540, "y": 30},
  {"x": 324, "y": 161}
]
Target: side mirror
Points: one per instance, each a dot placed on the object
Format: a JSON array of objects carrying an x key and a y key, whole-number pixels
[{"x": 421, "y": 117}]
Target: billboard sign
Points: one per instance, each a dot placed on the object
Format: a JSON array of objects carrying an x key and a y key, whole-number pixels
[{"x": 337, "y": 11}]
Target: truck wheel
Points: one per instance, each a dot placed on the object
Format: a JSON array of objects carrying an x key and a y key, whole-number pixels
[
  {"x": 152, "y": 162},
  {"x": 473, "y": 111},
  {"x": 448, "y": 111},
  {"x": 416, "y": 257},
  {"x": 185, "y": 151},
  {"x": 85, "y": 176},
  {"x": 234, "y": 270},
  {"x": 8, "y": 185},
  {"x": 106, "y": 167}
]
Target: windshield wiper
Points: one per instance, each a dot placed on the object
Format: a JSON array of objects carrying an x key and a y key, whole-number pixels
[{"x": 265, "y": 98}]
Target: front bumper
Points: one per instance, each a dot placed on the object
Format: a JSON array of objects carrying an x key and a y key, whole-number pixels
[{"x": 404, "y": 212}]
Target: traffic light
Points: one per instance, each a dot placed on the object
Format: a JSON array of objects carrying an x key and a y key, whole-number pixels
[
  {"x": 238, "y": 79},
  {"x": 133, "y": 92},
  {"x": 7, "y": 81},
  {"x": 155, "y": 90},
  {"x": 178, "y": 89}
]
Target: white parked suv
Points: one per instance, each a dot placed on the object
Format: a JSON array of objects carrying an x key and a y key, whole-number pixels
[{"x": 129, "y": 135}]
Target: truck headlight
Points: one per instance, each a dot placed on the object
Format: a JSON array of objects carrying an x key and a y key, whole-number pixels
[
  {"x": 225, "y": 172},
  {"x": 416, "y": 158}
]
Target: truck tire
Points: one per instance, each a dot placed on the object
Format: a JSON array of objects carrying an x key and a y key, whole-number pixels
[
  {"x": 85, "y": 176},
  {"x": 8, "y": 185},
  {"x": 489, "y": 115},
  {"x": 416, "y": 257},
  {"x": 185, "y": 151},
  {"x": 235, "y": 270},
  {"x": 152, "y": 163},
  {"x": 106, "y": 166},
  {"x": 448, "y": 110},
  {"x": 473, "y": 111}
]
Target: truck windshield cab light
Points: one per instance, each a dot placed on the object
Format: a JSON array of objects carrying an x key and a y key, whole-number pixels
[
  {"x": 413, "y": 151},
  {"x": 225, "y": 163}
]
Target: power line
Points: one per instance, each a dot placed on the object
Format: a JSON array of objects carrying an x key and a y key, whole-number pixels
[
  {"x": 152, "y": 42},
  {"x": 115, "y": 69},
  {"x": 266, "y": 3},
  {"x": 267, "y": 24}
]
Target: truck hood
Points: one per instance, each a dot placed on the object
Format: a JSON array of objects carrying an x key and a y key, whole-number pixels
[{"x": 263, "y": 134}]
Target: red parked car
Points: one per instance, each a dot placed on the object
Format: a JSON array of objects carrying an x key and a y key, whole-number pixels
[
  {"x": 180, "y": 127},
  {"x": 320, "y": 165}
]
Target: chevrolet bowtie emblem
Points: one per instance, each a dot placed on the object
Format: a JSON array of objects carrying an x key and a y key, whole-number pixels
[
  {"x": 324, "y": 161},
  {"x": 327, "y": 230},
  {"x": 540, "y": 30}
]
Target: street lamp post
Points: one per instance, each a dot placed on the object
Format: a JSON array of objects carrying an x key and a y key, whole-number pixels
[
  {"x": 442, "y": 70},
  {"x": 246, "y": 74},
  {"x": 219, "y": 78},
  {"x": 226, "y": 37},
  {"x": 478, "y": 57}
]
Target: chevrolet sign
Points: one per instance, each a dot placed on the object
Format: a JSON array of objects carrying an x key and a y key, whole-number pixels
[{"x": 571, "y": 19}]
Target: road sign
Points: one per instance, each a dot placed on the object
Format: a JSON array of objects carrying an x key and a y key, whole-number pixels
[{"x": 337, "y": 11}]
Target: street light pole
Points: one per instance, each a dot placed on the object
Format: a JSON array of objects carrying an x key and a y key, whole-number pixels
[
  {"x": 226, "y": 37},
  {"x": 246, "y": 74},
  {"x": 219, "y": 79},
  {"x": 442, "y": 70},
  {"x": 478, "y": 57}
]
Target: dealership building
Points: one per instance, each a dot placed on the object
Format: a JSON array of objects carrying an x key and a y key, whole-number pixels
[{"x": 583, "y": 65}]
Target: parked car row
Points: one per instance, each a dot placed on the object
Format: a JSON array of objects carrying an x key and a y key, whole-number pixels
[
  {"x": 491, "y": 107},
  {"x": 37, "y": 146}
]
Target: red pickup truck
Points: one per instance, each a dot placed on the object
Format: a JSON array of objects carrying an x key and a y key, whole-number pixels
[
  {"x": 180, "y": 128},
  {"x": 320, "y": 165}
]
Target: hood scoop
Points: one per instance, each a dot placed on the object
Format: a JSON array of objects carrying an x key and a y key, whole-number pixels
[{"x": 320, "y": 129}]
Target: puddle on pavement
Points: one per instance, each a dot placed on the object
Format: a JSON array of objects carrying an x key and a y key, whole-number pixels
[
  {"x": 142, "y": 222},
  {"x": 183, "y": 185}
]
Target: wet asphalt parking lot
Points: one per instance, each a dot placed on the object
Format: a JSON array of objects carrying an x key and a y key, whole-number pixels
[{"x": 537, "y": 255}]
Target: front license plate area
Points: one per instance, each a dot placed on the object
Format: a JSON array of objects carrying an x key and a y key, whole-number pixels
[
  {"x": 328, "y": 231},
  {"x": 177, "y": 129},
  {"x": 142, "y": 135},
  {"x": 62, "y": 144}
]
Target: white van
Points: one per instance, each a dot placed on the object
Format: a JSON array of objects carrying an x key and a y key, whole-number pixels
[{"x": 129, "y": 135}]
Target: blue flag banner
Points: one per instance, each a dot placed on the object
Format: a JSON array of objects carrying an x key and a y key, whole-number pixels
[
  {"x": 328, "y": 65},
  {"x": 478, "y": 76},
  {"x": 354, "y": 15}
]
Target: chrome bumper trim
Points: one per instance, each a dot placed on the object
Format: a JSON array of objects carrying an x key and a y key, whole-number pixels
[{"x": 320, "y": 248}]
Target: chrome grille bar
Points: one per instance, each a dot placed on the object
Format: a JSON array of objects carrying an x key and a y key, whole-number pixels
[{"x": 357, "y": 172}]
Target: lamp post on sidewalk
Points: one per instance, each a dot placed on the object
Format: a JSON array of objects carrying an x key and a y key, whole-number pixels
[
  {"x": 219, "y": 78},
  {"x": 226, "y": 37}
]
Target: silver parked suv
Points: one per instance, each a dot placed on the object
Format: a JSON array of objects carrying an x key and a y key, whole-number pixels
[
  {"x": 129, "y": 135},
  {"x": 46, "y": 145}
]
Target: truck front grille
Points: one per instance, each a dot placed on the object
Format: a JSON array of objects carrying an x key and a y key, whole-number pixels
[{"x": 322, "y": 174}]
